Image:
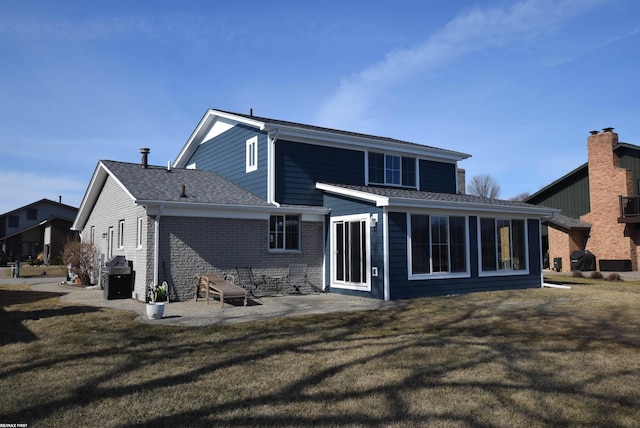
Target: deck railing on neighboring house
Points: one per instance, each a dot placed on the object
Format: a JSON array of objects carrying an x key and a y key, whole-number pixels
[{"x": 629, "y": 209}]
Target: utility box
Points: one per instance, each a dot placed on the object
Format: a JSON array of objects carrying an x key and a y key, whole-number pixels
[{"x": 557, "y": 264}]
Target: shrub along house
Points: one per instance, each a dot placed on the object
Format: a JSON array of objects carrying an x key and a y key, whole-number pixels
[{"x": 370, "y": 216}]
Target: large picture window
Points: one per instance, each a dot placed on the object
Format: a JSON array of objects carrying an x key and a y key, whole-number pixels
[
  {"x": 438, "y": 244},
  {"x": 503, "y": 245},
  {"x": 392, "y": 170},
  {"x": 284, "y": 232}
]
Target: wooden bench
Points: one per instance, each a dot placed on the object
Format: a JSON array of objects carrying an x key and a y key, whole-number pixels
[{"x": 212, "y": 283}]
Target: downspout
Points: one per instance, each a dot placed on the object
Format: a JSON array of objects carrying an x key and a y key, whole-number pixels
[
  {"x": 156, "y": 244},
  {"x": 385, "y": 251},
  {"x": 272, "y": 137}
]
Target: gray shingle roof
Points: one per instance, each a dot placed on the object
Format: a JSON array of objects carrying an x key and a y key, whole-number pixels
[
  {"x": 334, "y": 131},
  {"x": 393, "y": 192},
  {"x": 569, "y": 223},
  {"x": 155, "y": 183}
]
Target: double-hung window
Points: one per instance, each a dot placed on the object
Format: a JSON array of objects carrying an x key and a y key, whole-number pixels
[
  {"x": 392, "y": 170},
  {"x": 284, "y": 232},
  {"x": 503, "y": 245},
  {"x": 438, "y": 245}
]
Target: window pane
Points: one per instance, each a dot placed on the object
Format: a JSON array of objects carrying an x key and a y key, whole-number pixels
[
  {"x": 355, "y": 248},
  {"x": 32, "y": 214},
  {"x": 488, "y": 244},
  {"x": 392, "y": 170},
  {"x": 408, "y": 172},
  {"x": 504, "y": 244},
  {"x": 340, "y": 251},
  {"x": 292, "y": 227},
  {"x": 420, "y": 244},
  {"x": 440, "y": 243},
  {"x": 458, "y": 244},
  {"x": 518, "y": 246},
  {"x": 376, "y": 168}
]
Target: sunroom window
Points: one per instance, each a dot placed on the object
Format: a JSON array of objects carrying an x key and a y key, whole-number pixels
[
  {"x": 438, "y": 244},
  {"x": 503, "y": 245}
]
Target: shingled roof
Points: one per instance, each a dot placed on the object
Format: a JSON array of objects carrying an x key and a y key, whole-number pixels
[
  {"x": 160, "y": 184},
  {"x": 410, "y": 197}
]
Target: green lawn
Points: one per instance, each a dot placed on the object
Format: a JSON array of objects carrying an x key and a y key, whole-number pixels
[{"x": 542, "y": 357}]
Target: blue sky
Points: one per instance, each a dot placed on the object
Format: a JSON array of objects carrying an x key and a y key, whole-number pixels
[{"x": 516, "y": 84}]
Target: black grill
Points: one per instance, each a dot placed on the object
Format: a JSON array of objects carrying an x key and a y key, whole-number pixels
[{"x": 117, "y": 278}]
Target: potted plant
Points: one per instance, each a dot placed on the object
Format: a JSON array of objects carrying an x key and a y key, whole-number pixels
[{"x": 157, "y": 299}]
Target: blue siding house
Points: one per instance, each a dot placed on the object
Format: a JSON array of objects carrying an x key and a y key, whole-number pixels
[{"x": 393, "y": 224}]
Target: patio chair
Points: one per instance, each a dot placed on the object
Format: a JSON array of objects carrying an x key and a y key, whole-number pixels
[
  {"x": 297, "y": 277},
  {"x": 212, "y": 283},
  {"x": 247, "y": 280}
]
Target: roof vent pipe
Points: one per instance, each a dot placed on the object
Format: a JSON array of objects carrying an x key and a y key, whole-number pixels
[
  {"x": 251, "y": 112},
  {"x": 183, "y": 193},
  {"x": 145, "y": 156}
]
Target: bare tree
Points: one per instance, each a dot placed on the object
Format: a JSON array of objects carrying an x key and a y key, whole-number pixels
[
  {"x": 484, "y": 186},
  {"x": 520, "y": 196},
  {"x": 81, "y": 256}
]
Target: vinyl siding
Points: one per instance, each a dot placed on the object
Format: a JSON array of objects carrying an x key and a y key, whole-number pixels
[
  {"x": 225, "y": 155},
  {"x": 112, "y": 206},
  {"x": 299, "y": 166},
  {"x": 571, "y": 195},
  {"x": 438, "y": 177}
]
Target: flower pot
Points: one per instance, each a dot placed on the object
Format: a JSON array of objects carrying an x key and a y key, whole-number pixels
[{"x": 155, "y": 310}]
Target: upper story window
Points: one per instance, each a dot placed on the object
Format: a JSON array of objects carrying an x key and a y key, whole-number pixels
[
  {"x": 252, "y": 154},
  {"x": 14, "y": 221},
  {"x": 503, "y": 245},
  {"x": 139, "y": 235},
  {"x": 392, "y": 170},
  {"x": 32, "y": 214}
]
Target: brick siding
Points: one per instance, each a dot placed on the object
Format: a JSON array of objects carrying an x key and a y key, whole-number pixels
[
  {"x": 607, "y": 181},
  {"x": 190, "y": 245}
]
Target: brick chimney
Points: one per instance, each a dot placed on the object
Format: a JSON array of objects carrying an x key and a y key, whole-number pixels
[{"x": 607, "y": 182}]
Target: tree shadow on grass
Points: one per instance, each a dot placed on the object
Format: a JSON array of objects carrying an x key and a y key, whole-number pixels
[
  {"x": 503, "y": 354},
  {"x": 12, "y": 321}
]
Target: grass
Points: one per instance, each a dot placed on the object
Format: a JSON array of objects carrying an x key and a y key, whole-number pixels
[{"x": 541, "y": 357}]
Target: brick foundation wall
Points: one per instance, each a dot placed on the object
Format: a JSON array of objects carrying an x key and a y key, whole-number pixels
[{"x": 607, "y": 181}]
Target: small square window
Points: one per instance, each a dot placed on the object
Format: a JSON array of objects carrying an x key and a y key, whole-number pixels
[
  {"x": 32, "y": 214},
  {"x": 14, "y": 221}
]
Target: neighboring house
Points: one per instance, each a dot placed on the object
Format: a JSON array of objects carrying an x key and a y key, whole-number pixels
[
  {"x": 369, "y": 216},
  {"x": 36, "y": 230},
  {"x": 600, "y": 207}
]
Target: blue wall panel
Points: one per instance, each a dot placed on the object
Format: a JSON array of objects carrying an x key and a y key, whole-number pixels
[
  {"x": 437, "y": 177},
  {"x": 225, "y": 155},
  {"x": 299, "y": 166}
]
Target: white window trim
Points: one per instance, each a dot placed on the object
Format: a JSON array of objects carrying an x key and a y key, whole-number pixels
[
  {"x": 121, "y": 234},
  {"x": 110, "y": 243},
  {"x": 252, "y": 154},
  {"x": 438, "y": 275},
  {"x": 286, "y": 250},
  {"x": 510, "y": 272},
  {"x": 139, "y": 234},
  {"x": 344, "y": 285}
]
